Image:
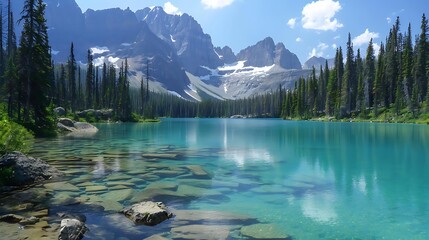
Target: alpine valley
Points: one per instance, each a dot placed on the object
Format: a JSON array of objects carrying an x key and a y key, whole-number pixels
[{"x": 181, "y": 57}]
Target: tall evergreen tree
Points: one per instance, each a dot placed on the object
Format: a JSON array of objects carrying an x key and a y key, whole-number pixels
[
  {"x": 339, "y": 66},
  {"x": 407, "y": 67},
  {"x": 379, "y": 84},
  {"x": 332, "y": 86},
  {"x": 391, "y": 63},
  {"x": 420, "y": 71},
  {"x": 348, "y": 81},
  {"x": 369, "y": 74},
  {"x": 11, "y": 37},
  {"x": 89, "y": 98},
  {"x": 360, "y": 97},
  {"x": 35, "y": 67},
  {"x": 71, "y": 78}
]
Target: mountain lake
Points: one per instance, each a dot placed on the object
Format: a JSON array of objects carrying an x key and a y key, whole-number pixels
[{"x": 236, "y": 179}]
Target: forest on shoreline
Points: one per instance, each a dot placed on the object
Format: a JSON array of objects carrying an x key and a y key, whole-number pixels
[{"x": 390, "y": 86}]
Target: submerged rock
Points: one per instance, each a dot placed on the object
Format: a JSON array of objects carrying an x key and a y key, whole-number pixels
[
  {"x": 264, "y": 231},
  {"x": 198, "y": 171},
  {"x": 72, "y": 229},
  {"x": 26, "y": 170},
  {"x": 169, "y": 156},
  {"x": 148, "y": 213},
  {"x": 13, "y": 218},
  {"x": 201, "y": 232}
]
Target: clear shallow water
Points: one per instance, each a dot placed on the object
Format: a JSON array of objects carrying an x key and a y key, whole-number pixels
[{"x": 311, "y": 180}]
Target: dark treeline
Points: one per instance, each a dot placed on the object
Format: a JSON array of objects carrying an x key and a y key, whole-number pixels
[
  {"x": 168, "y": 105},
  {"x": 92, "y": 87},
  {"x": 25, "y": 69},
  {"x": 396, "y": 80},
  {"x": 31, "y": 84}
]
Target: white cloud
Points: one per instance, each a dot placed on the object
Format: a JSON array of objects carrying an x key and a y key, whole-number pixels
[
  {"x": 319, "y": 15},
  {"x": 291, "y": 23},
  {"x": 322, "y": 46},
  {"x": 376, "y": 48},
  {"x": 215, "y": 4},
  {"x": 298, "y": 39},
  {"x": 171, "y": 9},
  {"x": 318, "y": 51},
  {"x": 334, "y": 46},
  {"x": 337, "y": 37},
  {"x": 364, "y": 38},
  {"x": 389, "y": 20}
]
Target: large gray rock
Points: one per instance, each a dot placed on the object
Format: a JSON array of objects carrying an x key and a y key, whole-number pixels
[
  {"x": 60, "y": 111},
  {"x": 148, "y": 213},
  {"x": 72, "y": 229},
  {"x": 26, "y": 170},
  {"x": 68, "y": 125},
  {"x": 66, "y": 122}
]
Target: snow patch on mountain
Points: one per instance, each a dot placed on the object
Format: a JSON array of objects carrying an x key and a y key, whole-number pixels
[{"x": 172, "y": 39}]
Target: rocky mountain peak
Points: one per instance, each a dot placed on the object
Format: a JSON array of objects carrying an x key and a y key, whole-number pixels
[
  {"x": 285, "y": 58},
  {"x": 184, "y": 33},
  {"x": 266, "y": 53},
  {"x": 226, "y": 54},
  {"x": 318, "y": 62},
  {"x": 259, "y": 55}
]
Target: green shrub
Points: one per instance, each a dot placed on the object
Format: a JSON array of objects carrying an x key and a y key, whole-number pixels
[{"x": 14, "y": 137}]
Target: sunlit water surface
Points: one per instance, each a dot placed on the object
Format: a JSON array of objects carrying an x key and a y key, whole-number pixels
[{"x": 310, "y": 180}]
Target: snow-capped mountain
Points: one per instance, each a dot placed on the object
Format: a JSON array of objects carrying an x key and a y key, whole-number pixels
[{"x": 182, "y": 59}]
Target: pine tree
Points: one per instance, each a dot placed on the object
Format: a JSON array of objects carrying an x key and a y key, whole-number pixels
[
  {"x": 97, "y": 89},
  {"x": 420, "y": 71},
  {"x": 360, "y": 97},
  {"x": 89, "y": 82},
  {"x": 407, "y": 67},
  {"x": 392, "y": 64},
  {"x": 348, "y": 81},
  {"x": 63, "y": 87},
  {"x": 11, "y": 74},
  {"x": 379, "y": 84},
  {"x": 339, "y": 66},
  {"x": 34, "y": 68},
  {"x": 11, "y": 37},
  {"x": 369, "y": 74},
  {"x": 2, "y": 57},
  {"x": 104, "y": 86},
  {"x": 71, "y": 78},
  {"x": 331, "y": 94}
]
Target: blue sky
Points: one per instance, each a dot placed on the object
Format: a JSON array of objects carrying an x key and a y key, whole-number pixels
[{"x": 306, "y": 27}]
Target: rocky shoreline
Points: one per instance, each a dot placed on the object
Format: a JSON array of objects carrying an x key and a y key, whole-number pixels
[{"x": 56, "y": 205}]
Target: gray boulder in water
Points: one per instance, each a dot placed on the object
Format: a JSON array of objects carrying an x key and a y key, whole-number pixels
[
  {"x": 23, "y": 170},
  {"x": 148, "y": 213},
  {"x": 72, "y": 229},
  {"x": 68, "y": 125}
]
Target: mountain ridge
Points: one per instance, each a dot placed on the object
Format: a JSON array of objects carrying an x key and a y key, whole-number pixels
[{"x": 176, "y": 47}]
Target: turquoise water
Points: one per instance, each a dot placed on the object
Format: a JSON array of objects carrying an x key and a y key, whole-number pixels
[{"x": 312, "y": 180}]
